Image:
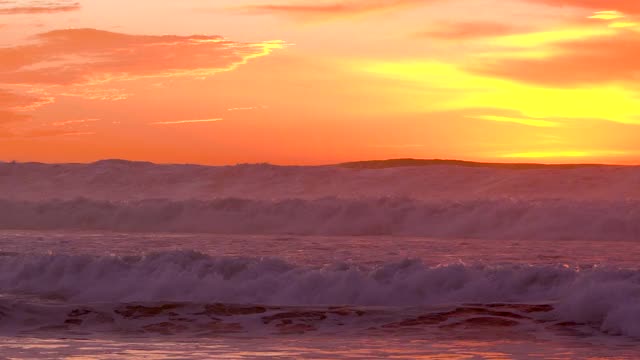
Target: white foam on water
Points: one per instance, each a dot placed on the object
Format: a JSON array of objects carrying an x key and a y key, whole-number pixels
[{"x": 604, "y": 298}]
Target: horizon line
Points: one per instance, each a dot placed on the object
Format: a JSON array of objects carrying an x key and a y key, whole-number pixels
[{"x": 361, "y": 164}]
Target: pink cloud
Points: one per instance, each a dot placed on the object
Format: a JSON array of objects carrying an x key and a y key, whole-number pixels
[
  {"x": 74, "y": 122},
  {"x": 601, "y": 59},
  {"x": 628, "y": 6},
  {"x": 10, "y": 105},
  {"x": 468, "y": 30},
  {"x": 342, "y": 8},
  {"x": 16, "y": 101},
  {"x": 8, "y": 7},
  {"x": 180, "y": 122},
  {"x": 10, "y": 116},
  {"x": 48, "y": 132},
  {"x": 92, "y": 56}
]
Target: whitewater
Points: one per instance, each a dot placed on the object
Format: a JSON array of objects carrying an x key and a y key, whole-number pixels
[{"x": 399, "y": 259}]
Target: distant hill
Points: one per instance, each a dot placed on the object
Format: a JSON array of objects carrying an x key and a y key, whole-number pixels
[{"x": 392, "y": 163}]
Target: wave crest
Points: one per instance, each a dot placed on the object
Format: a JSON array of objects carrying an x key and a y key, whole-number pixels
[
  {"x": 480, "y": 219},
  {"x": 604, "y": 298}
]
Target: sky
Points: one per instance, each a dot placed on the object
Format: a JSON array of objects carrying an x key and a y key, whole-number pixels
[{"x": 317, "y": 82}]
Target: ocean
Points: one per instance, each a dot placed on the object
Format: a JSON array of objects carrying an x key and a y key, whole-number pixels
[{"x": 123, "y": 260}]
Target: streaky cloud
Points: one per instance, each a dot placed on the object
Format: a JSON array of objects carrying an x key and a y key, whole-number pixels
[
  {"x": 74, "y": 122},
  {"x": 468, "y": 30},
  {"x": 627, "y": 6},
  {"x": 186, "y": 121},
  {"x": 574, "y": 63},
  {"x": 522, "y": 120},
  {"x": 37, "y": 7},
  {"x": 344, "y": 8},
  {"x": 91, "y": 56}
]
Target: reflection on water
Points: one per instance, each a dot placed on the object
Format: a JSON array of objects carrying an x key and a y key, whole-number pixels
[{"x": 309, "y": 348}]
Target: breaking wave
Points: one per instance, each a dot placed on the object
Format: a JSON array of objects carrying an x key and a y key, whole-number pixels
[
  {"x": 480, "y": 219},
  {"x": 606, "y": 299},
  {"x": 124, "y": 180}
]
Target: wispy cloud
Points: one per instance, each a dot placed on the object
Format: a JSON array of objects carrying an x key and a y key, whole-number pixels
[
  {"x": 314, "y": 10},
  {"x": 522, "y": 120},
  {"x": 592, "y": 60},
  {"x": 247, "y": 108},
  {"x": 90, "y": 56},
  {"x": 627, "y": 6},
  {"x": 74, "y": 122},
  {"x": 186, "y": 121},
  {"x": 13, "y": 109},
  {"x": 35, "y": 133},
  {"x": 468, "y": 30},
  {"x": 10, "y": 116},
  {"x": 13, "y": 101},
  {"x": 607, "y": 15},
  {"x": 9, "y": 7},
  {"x": 87, "y": 63},
  {"x": 563, "y": 154}
]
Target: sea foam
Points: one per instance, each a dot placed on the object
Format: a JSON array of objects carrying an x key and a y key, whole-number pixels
[{"x": 603, "y": 298}]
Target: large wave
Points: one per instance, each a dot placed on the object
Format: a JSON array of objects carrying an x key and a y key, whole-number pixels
[
  {"x": 605, "y": 299},
  {"x": 122, "y": 180},
  {"x": 559, "y": 219},
  {"x": 439, "y": 199}
]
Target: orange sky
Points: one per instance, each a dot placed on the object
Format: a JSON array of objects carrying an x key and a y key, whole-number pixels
[{"x": 311, "y": 82}]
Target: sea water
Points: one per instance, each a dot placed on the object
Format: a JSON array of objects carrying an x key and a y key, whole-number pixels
[{"x": 119, "y": 260}]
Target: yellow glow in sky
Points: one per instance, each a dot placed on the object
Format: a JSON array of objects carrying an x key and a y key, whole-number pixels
[{"x": 471, "y": 91}]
